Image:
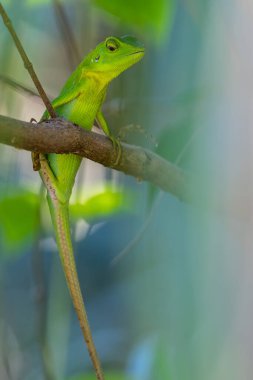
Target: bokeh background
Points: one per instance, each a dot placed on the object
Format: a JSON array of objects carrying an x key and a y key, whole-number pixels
[{"x": 167, "y": 284}]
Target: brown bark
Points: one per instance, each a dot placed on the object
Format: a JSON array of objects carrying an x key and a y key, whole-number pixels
[{"x": 60, "y": 136}]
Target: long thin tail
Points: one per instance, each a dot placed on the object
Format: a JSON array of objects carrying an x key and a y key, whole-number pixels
[{"x": 60, "y": 218}]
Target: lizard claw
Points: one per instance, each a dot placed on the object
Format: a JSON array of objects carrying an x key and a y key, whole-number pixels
[
  {"x": 36, "y": 161},
  {"x": 117, "y": 148},
  {"x": 35, "y": 155}
]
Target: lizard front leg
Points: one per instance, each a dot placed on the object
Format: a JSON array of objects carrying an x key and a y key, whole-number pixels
[{"x": 115, "y": 142}]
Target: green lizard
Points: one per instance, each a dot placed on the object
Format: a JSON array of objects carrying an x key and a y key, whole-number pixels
[{"x": 80, "y": 102}]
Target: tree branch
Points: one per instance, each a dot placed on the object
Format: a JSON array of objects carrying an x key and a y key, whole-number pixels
[{"x": 61, "y": 136}]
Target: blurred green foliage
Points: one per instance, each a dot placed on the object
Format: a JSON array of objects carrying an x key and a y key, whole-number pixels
[
  {"x": 18, "y": 219},
  {"x": 101, "y": 205},
  {"x": 151, "y": 17},
  {"x": 108, "y": 375},
  {"x": 154, "y": 18}
]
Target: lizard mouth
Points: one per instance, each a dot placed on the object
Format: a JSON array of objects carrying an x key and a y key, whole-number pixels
[{"x": 137, "y": 52}]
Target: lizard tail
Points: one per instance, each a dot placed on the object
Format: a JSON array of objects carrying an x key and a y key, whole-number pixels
[{"x": 60, "y": 217}]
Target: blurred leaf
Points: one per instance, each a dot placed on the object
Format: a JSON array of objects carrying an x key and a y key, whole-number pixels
[
  {"x": 44, "y": 2},
  {"x": 152, "y": 359},
  {"x": 40, "y": 2},
  {"x": 5, "y": 2},
  {"x": 19, "y": 213},
  {"x": 153, "y": 16},
  {"x": 18, "y": 218},
  {"x": 108, "y": 375},
  {"x": 107, "y": 203},
  {"x": 161, "y": 366},
  {"x": 173, "y": 140},
  {"x": 177, "y": 138}
]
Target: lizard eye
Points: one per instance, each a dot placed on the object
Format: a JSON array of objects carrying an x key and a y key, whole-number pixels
[
  {"x": 97, "y": 58},
  {"x": 112, "y": 44}
]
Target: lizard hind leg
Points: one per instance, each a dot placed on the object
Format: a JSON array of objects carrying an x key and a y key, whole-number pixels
[{"x": 51, "y": 182}]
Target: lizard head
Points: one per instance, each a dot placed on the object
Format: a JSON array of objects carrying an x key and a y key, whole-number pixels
[{"x": 113, "y": 56}]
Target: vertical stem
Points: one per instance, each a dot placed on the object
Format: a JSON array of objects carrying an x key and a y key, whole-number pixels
[{"x": 67, "y": 34}]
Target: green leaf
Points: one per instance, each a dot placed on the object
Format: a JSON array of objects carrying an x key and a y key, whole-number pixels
[
  {"x": 154, "y": 17},
  {"x": 104, "y": 204},
  {"x": 18, "y": 218}
]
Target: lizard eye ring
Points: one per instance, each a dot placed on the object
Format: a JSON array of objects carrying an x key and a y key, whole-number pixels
[{"x": 112, "y": 44}]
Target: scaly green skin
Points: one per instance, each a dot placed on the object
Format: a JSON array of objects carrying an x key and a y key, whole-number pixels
[{"x": 80, "y": 101}]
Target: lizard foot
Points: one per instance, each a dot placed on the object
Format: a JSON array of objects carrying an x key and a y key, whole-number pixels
[
  {"x": 36, "y": 161},
  {"x": 35, "y": 155},
  {"x": 117, "y": 148}
]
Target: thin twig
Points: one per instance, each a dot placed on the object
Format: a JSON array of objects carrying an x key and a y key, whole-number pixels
[
  {"x": 28, "y": 65},
  {"x": 140, "y": 233},
  {"x": 18, "y": 86}
]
